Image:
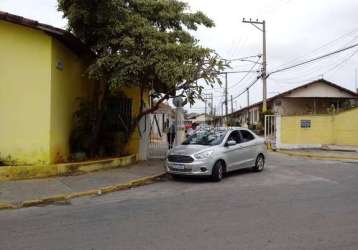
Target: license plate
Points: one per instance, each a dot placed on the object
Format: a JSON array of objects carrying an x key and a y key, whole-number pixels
[{"x": 178, "y": 166}]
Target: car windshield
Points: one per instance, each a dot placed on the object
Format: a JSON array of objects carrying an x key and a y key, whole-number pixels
[{"x": 207, "y": 138}]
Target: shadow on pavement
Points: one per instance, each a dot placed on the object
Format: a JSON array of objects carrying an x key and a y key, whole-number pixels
[{"x": 205, "y": 179}]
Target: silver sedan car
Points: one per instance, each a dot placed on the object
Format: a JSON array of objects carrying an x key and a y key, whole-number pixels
[{"x": 216, "y": 152}]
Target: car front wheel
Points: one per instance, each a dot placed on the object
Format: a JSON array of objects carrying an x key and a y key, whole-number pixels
[
  {"x": 218, "y": 171},
  {"x": 260, "y": 163}
]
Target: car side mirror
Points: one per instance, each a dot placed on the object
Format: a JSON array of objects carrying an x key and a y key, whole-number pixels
[{"x": 230, "y": 143}]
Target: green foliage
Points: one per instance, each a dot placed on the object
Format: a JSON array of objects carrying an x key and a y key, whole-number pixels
[
  {"x": 137, "y": 43},
  {"x": 111, "y": 140},
  {"x": 144, "y": 43},
  {"x": 82, "y": 127},
  {"x": 262, "y": 116}
]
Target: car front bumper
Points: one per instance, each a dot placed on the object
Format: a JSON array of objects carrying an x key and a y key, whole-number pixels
[{"x": 196, "y": 168}]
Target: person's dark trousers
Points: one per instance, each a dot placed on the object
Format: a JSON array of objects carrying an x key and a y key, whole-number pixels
[{"x": 170, "y": 139}]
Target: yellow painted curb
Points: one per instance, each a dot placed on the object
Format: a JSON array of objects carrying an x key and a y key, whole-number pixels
[
  {"x": 9, "y": 173},
  {"x": 4, "y": 206},
  {"x": 67, "y": 197},
  {"x": 317, "y": 157},
  {"x": 31, "y": 203},
  {"x": 81, "y": 194}
]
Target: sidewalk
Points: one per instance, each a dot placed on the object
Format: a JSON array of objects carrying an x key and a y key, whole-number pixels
[
  {"x": 14, "y": 194},
  {"x": 323, "y": 154},
  {"x": 343, "y": 148}
]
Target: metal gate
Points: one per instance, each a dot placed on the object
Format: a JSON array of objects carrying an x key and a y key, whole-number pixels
[
  {"x": 270, "y": 131},
  {"x": 158, "y": 144}
]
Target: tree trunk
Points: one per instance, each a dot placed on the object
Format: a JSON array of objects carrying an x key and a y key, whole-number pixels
[{"x": 99, "y": 100}]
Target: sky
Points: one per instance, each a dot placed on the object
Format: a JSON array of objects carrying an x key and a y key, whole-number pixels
[{"x": 297, "y": 30}]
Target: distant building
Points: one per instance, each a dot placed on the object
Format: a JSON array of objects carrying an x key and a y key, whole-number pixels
[
  {"x": 317, "y": 97},
  {"x": 199, "y": 118}
]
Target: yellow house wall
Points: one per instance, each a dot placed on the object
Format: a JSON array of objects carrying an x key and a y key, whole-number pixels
[
  {"x": 320, "y": 131},
  {"x": 37, "y": 99},
  {"x": 67, "y": 84},
  {"x": 133, "y": 145},
  {"x": 340, "y": 129},
  {"x": 25, "y": 74},
  {"x": 346, "y": 128}
]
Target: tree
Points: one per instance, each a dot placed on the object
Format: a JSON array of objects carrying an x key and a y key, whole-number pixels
[{"x": 145, "y": 44}]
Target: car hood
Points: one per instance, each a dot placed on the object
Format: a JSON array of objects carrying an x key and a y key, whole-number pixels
[{"x": 188, "y": 149}]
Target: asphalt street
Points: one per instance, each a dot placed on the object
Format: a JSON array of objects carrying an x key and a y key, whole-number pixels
[{"x": 293, "y": 204}]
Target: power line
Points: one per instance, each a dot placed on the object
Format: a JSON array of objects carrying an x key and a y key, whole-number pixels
[
  {"x": 244, "y": 77},
  {"x": 313, "y": 59},
  {"x": 248, "y": 87},
  {"x": 319, "y": 67},
  {"x": 239, "y": 72},
  {"x": 337, "y": 66},
  {"x": 321, "y": 47},
  {"x": 243, "y": 58}
]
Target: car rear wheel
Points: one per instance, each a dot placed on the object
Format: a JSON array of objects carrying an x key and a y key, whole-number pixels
[
  {"x": 218, "y": 171},
  {"x": 260, "y": 163}
]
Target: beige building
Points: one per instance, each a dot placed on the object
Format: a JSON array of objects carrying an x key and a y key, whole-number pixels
[
  {"x": 199, "y": 119},
  {"x": 317, "y": 97}
]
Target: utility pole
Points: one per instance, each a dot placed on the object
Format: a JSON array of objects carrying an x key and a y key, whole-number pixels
[
  {"x": 205, "y": 110},
  {"x": 212, "y": 104},
  {"x": 226, "y": 100},
  {"x": 208, "y": 101},
  {"x": 248, "y": 104},
  {"x": 222, "y": 120},
  {"x": 264, "y": 62},
  {"x": 232, "y": 105},
  {"x": 215, "y": 116},
  {"x": 356, "y": 80}
]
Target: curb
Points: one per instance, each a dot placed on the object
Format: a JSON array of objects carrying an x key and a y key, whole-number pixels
[
  {"x": 66, "y": 198},
  {"x": 11, "y": 173},
  {"x": 317, "y": 157}
]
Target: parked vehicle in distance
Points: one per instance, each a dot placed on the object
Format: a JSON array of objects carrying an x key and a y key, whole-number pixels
[{"x": 216, "y": 152}]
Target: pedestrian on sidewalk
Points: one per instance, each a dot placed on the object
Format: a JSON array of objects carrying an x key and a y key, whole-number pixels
[{"x": 171, "y": 136}]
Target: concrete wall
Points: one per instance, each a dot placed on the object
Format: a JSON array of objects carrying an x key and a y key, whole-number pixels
[
  {"x": 340, "y": 129},
  {"x": 346, "y": 128},
  {"x": 25, "y": 74},
  {"x": 134, "y": 93},
  {"x": 67, "y": 84},
  {"x": 40, "y": 80}
]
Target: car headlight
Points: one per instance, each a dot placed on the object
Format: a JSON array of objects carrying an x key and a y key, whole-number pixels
[{"x": 204, "y": 155}]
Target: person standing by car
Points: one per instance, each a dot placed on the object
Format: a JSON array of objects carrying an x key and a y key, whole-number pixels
[{"x": 171, "y": 135}]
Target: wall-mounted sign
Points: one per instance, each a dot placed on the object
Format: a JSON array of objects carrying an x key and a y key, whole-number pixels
[{"x": 305, "y": 123}]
